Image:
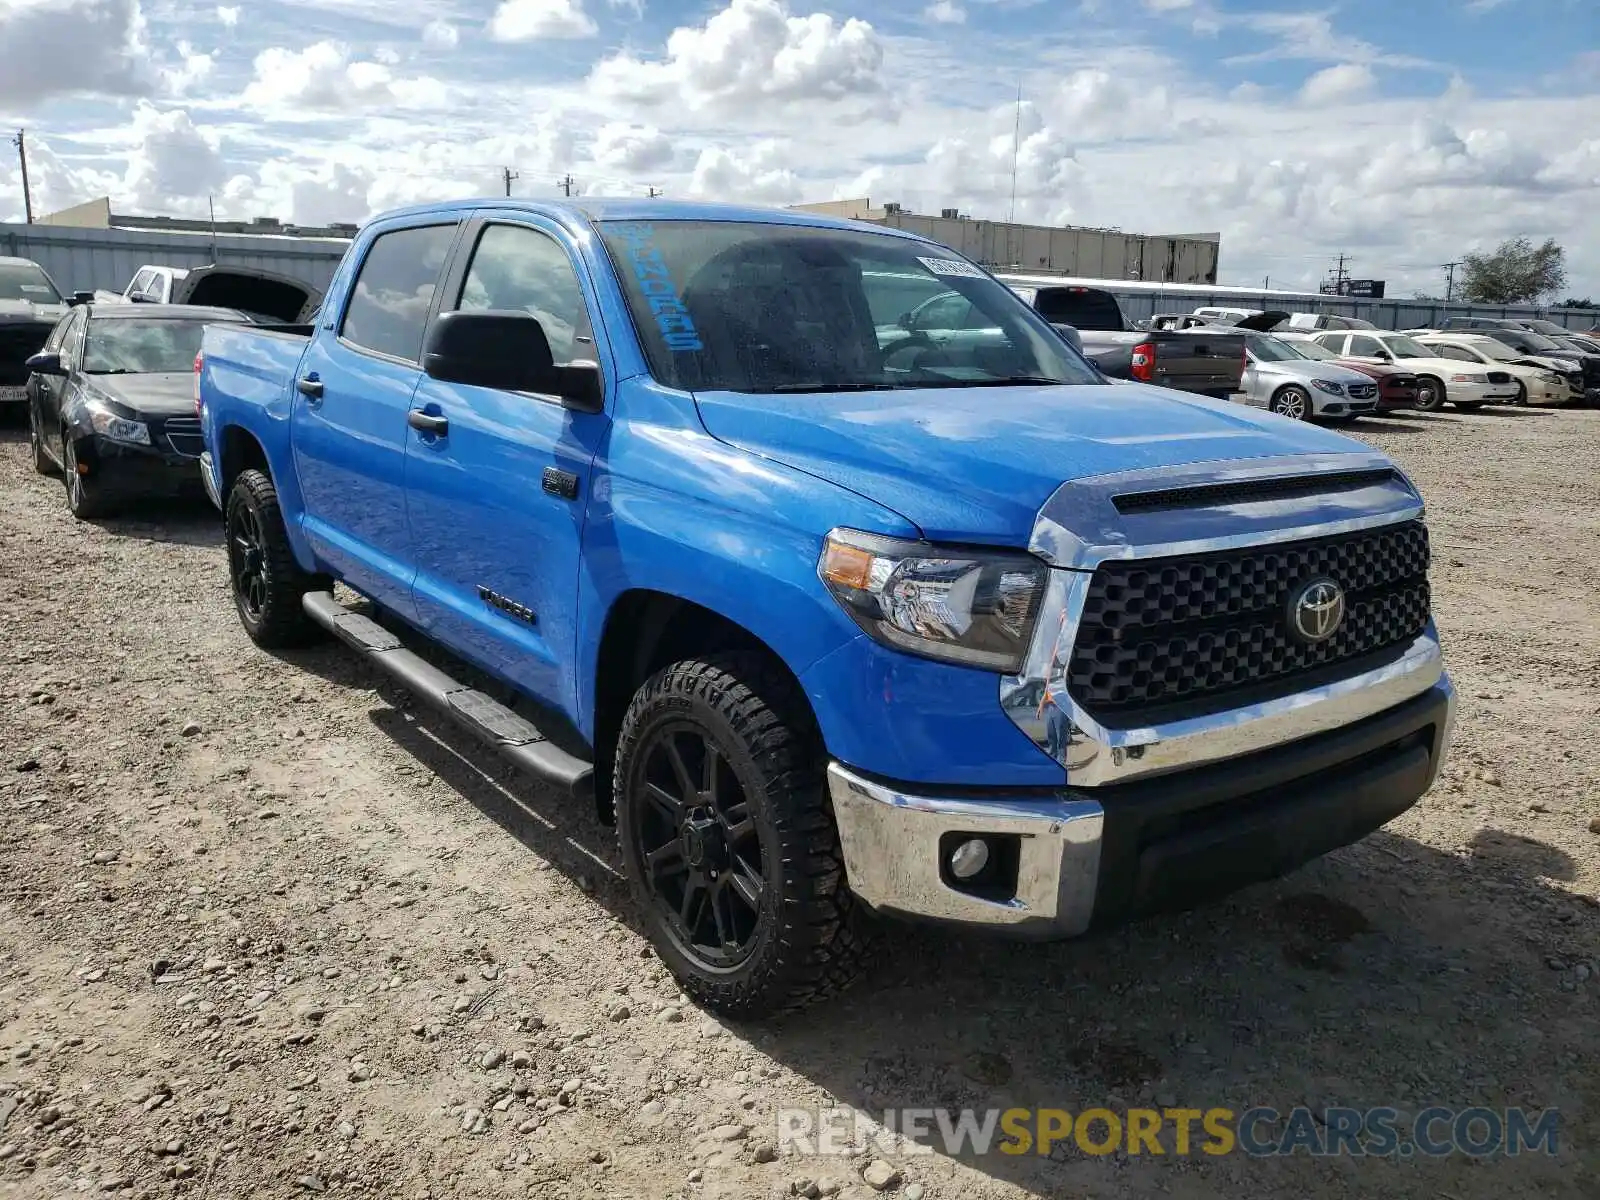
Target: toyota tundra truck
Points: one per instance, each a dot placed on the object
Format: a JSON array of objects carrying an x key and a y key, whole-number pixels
[{"x": 835, "y": 623}]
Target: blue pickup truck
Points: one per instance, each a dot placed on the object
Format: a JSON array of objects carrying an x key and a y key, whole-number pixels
[{"x": 835, "y": 620}]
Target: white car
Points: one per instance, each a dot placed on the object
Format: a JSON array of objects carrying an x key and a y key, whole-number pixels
[
  {"x": 1541, "y": 382},
  {"x": 1439, "y": 379}
]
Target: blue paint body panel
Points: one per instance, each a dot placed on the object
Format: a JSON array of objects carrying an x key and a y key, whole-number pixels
[{"x": 718, "y": 499}]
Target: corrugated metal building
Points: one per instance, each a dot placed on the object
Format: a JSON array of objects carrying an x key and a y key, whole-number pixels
[
  {"x": 85, "y": 258},
  {"x": 1066, "y": 250}
]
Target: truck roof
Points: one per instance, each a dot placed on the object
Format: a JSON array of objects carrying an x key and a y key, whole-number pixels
[{"x": 637, "y": 208}]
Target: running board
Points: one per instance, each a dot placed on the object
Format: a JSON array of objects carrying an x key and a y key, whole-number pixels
[{"x": 491, "y": 722}]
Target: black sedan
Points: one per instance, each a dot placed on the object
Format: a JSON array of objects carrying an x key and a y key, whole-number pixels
[{"x": 111, "y": 403}]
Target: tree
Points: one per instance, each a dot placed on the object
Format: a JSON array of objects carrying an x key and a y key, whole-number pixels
[
  {"x": 1574, "y": 302},
  {"x": 1516, "y": 272}
]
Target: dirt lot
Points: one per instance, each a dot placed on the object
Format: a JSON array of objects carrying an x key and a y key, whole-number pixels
[{"x": 267, "y": 931}]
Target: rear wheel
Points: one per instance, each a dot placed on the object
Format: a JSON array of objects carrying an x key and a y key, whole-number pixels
[
  {"x": 1430, "y": 394},
  {"x": 1292, "y": 401},
  {"x": 86, "y": 498},
  {"x": 266, "y": 581},
  {"x": 728, "y": 841},
  {"x": 1521, "y": 398}
]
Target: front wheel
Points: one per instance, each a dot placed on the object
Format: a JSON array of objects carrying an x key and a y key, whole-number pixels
[
  {"x": 267, "y": 583},
  {"x": 1430, "y": 394},
  {"x": 728, "y": 841},
  {"x": 1293, "y": 402},
  {"x": 86, "y": 498},
  {"x": 41, "y": 458}
]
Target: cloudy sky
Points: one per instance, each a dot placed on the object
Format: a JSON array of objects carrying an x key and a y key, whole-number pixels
[{"x": 1402, "y": 134}]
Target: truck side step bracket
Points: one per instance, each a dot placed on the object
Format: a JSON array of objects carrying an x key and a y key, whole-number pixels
[{"x": 512, "y": 735}]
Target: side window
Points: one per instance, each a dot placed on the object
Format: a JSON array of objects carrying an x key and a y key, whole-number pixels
[
  {"x": 1333, "y": 341},
  {"x": 59, "y": 333},
  {"x": 953, "y": 311},
  {"x": 140, "y": 282},
  {"x": 393, "y": 293},
  {"x": 160, "y": 287},
  {"x": 1365, "y": 346},
  {"x": 514, "y": 267},
  {"x": 1455, "y": 352},
  {"x": 72, "y": 340}
]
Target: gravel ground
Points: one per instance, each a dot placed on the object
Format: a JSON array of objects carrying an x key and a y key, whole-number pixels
[{"x": 268, "y": 931}]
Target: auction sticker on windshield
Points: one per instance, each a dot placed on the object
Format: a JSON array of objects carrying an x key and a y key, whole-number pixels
[{"x": 951, "y": 266}]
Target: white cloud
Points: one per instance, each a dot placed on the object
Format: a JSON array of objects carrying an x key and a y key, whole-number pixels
[
  {"x": 1312, "y": 36},
  {"x": 324, "y": 77},
  {"x": 751, "y": 51},
  {"x": 632, "y": 147},
  {"x": 1338, "y": 83},
  {"x": 228, "y": 15},
  {"x": 1168, "y": 5},
  {"x": 61, "y": 47},
  {"x": 172, "y": 166},
  {"x": 945, "y": 12},
  {"x": 527, "y": 20},
  {"x": 192, "y": 70},
  {"x": 759, "y": 174},
  {"x": 441, "y": 35}
]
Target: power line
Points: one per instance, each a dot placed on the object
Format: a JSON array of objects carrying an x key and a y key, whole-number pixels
[
  {"x": 21, "y": 143},
  {"x": 507, "y": 174},
  {"x": 565, "y": 184},
  {"x": 1449, "y": 270}
]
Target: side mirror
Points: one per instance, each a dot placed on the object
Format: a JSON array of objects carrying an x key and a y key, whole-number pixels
[
  {"x": 507, "y": 351},
  {"x": 46, "y": 364},
  {"x": 1385, "y": 356},
  {"x": 905, "y": 321},
  {"x": 82, "y": 298}
]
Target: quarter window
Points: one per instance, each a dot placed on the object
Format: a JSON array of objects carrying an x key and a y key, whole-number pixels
[
  {"x": 517, "y": 268},
  {"x": 393, "y": 295},
  {"x": 1367, "y": 347}
]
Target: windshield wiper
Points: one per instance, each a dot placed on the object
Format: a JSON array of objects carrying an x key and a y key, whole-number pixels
[
  {"x": 108, "y": 371},
  {"x": 818, "y": 386},
  {"x": 1003, "y": 381}
]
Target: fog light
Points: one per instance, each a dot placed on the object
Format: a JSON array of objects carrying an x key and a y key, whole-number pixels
[{"x": 970, "y": 857}]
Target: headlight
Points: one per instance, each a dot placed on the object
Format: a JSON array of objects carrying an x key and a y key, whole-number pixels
[
  {"x": 118, "y": 429},
  {"x": 972, "y": 607},
  {"x": 1552, "y": 377},
  {"x": 1469, "y": 377},
  {"x": 1329, "y": 386}
]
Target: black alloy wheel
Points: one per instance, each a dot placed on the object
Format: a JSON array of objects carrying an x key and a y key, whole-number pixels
[
  {"x": 247, "y": 563},
  {"x": 699, "y": 844}
]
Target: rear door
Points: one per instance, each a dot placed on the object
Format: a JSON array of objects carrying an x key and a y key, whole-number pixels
[
  {"x": 496, "y": 502},
  {"x": 350, "y": 403}
]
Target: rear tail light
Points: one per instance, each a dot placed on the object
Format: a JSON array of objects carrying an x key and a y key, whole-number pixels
[
  {"x": 199, "y": 365},
  {"x": 1144, "y": 361}
]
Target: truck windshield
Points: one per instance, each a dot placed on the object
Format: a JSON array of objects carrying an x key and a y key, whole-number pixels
[
  {"x": 752, "y": 307},
  {"x": 130, "y": 346},
  {"x": 27, "y": 281}
]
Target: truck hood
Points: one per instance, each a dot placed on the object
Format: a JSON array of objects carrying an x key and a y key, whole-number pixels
[
  {"x": 976, "y": 464},
  {"x": 261, "y": 293}
]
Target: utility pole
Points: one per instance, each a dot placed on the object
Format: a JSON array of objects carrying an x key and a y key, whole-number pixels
[
  {"x": 655, "y": 191},
  {"x": 1449, "y": 270},
  {"x": 1340, "y": 274},
  {"x": 21, "y": 143},
  {"x": 565, "y": 184},
  {"x": 508, "y": 175}
]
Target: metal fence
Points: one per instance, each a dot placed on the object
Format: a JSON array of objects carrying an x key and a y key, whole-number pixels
[{"x": 86, "y": 259}]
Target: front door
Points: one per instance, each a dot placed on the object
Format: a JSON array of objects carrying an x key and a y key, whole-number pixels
[
  {"x": 496, "y": 502},
  {"x": 350, "y": 403}
]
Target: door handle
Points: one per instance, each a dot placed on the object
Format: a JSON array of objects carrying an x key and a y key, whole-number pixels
[
  {"x": 426, "y": 422},
  {"x": 309, "y": 387}
]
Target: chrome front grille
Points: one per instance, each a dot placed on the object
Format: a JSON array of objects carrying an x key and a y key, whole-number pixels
[
  {"x": 1361, "y": 391},
  {"x": 1204, "y": 629}
]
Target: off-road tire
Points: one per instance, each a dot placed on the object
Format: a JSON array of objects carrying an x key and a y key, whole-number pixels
[
  {"x": 41, "y": 458},
  {"x": 1436, "y": 401},
  {"x": 814, "y": 938},
  {"x": 272, "y": 614},
  {"x": 86, "y": 499}
]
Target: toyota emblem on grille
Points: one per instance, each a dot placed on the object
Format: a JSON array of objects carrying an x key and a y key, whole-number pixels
[{"x": 1316, "y": 610}]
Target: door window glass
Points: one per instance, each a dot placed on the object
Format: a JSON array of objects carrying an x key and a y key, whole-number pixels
[
  {"x": 520, "y": 269},
  {"x": 389, "y": 306}
]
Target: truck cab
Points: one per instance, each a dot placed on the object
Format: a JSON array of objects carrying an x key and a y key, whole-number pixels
[{"x": 838, "y": 621}]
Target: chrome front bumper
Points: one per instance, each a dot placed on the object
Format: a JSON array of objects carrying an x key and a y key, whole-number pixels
[
  {"x": 892, "y": 855},
  {"x": 1096, "y": 857}
]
